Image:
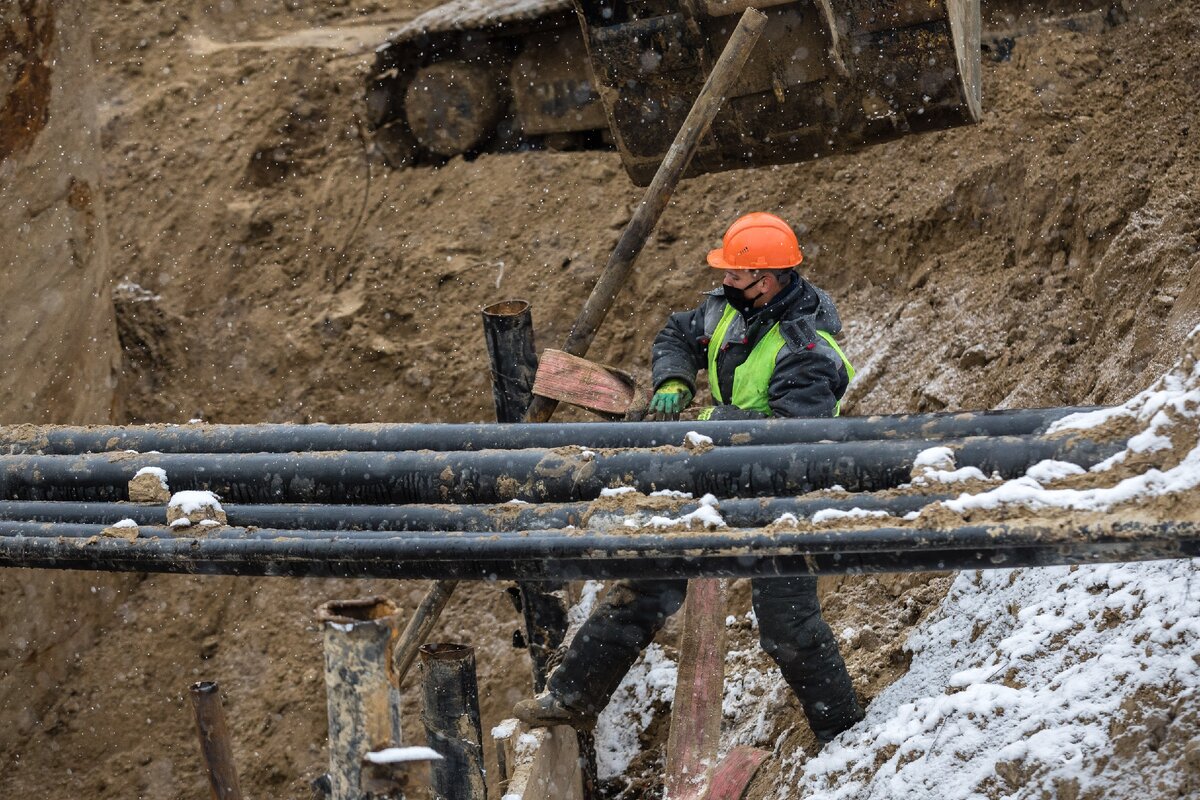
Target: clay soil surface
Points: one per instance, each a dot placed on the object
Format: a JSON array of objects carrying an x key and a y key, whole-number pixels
[{"x": 269, "y": 267}]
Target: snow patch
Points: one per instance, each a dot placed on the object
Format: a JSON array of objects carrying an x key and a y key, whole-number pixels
[
  {"x": 826, "y": 514},
  {"x": 706, "y": 515},
  {"x": 1055, "y": 660},
  {"x": 157, "y": 472},
  {"x": 190, "y": 502},
  {"x": 1049, "y": 470},
  {"x": 651, "y": 681},
  {"x": 505, "y": 729},
  {"x": 400, "y": 755}
]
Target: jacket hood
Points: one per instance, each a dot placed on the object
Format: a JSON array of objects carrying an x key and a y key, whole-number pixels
[{"x": 826, "y": 317}]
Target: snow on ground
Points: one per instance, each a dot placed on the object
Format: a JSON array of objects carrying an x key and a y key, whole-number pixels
[
  {"x": 649, "y": 684},
  {"x": 828, "y": 514},
  {"x": 1025, "y": 679}
]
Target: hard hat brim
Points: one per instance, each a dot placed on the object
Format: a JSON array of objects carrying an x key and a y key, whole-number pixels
[{"x": 716, "y": 260}]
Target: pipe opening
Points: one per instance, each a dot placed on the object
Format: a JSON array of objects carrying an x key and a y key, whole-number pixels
[
  {"x": 204, "y": 687},
  {"x": 446, "y": 651},
  {"x": 506, "y": 308},
  {"x": 364, "y": 609}
]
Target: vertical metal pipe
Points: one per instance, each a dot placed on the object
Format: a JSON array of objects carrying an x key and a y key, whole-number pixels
[
  {"x": 362, "y": 692},
  {"x": 214, "y": 741},
  {"x": 450, "y": 711},
  {"x": 508, "y": 329}
]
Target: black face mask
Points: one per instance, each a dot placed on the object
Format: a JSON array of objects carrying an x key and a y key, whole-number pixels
[{"x": 737, "y": 298}]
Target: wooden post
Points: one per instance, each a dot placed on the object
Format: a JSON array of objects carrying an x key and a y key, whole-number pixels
[
  {"x": 419, "y": 627},
  {"x": 214, "y": 741},
  {"x": 696, "y": 712},
  {"x": 538, "y": 763},
  {"x": 658, "y": 194}
]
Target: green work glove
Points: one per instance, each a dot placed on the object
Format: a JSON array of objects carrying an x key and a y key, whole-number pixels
[{"x": 670, "y": 398}]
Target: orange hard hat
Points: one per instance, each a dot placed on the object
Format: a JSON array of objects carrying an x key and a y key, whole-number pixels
[{"x": 757, "y": 241}]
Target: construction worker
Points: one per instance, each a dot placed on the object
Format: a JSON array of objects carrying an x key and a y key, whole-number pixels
[{"x": 766, "y": 339}]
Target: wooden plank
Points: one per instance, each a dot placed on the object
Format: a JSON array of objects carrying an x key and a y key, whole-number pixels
[
  {"x": 538, "y": 763},
  {"x": 734, "y": 773},
  {"x": 696, "y": 712},
  {"x": 570, "y": 379}
]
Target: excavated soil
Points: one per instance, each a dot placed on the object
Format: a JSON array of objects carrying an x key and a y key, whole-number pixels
[{"x": 269, "y": 267}]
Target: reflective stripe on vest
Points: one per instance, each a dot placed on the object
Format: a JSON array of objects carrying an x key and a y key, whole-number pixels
[{"x": 752, "y": 377}]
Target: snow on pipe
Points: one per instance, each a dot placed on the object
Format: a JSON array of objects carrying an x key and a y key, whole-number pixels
[
  {"x": 504, "y": 517},
  {"x": 450, "y": 713},
  {"x": 362, "y": 692},
  {"x": 530, "y": 475},
  {"x": 576, "y": 555},
  {"x": 274, "y": 438}
]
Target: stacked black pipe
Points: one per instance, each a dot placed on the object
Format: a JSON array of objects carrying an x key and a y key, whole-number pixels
[{"x": 437, "y": 501}]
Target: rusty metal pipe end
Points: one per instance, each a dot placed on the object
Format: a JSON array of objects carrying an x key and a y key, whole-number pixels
[
  {"x": 350, "y": 612},
  {"x": 507, "y": 308},
  {"x": 446, "y": 651}
]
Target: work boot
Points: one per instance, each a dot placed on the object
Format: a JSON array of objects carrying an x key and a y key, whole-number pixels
[
  {"x": 546, "y": 710},
  {"x": 842, "y": 719}
]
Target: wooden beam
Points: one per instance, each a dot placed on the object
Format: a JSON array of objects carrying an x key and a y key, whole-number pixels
[
  {"x": 696, "y": 712},
  {"x": 734, "y": 773}
]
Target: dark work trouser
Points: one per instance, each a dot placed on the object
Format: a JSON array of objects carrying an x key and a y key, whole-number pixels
[{"x": 790, "y": 629}]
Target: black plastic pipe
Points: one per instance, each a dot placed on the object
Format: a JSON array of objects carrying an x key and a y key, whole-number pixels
[
  {"x": 58, "y": 440},
  {"x": 508, "y": 331},
  {"x": 571, "y": 555},
  {"x": 413, "y": 517},
  {"x": 493, "y": 476},
  {"x": 738, "y": 513},
  {"x": 450, "y": 714}
]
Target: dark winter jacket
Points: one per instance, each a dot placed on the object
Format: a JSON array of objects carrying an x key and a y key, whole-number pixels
[{"x": 809, "y": 376}]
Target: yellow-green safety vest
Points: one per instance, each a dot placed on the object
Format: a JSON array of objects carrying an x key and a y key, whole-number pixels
[{"x": 752, "y": 377}]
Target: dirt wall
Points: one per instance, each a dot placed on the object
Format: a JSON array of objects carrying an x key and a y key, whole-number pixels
[
  {"x": 272, "y": 268},
  {"x": 58, "y": 355},
  {"x": 58, "y": 349}
]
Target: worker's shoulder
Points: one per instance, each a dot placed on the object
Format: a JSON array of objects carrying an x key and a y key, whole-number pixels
[{"x": 801, "y": 337}]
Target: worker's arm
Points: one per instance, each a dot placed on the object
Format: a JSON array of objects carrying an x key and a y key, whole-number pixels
[
  {"x": 807, "y": 382},
  {"x": 680, "y": 350}
]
